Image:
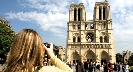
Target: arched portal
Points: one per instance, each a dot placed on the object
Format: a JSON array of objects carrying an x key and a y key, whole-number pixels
[
  {"x": 104, "y": 57},
  {"x": 76, "y": 56},
  {"x": 91, "y": 56}
]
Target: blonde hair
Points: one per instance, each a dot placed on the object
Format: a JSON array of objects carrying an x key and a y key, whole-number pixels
[{"x": 26, "y": 52}]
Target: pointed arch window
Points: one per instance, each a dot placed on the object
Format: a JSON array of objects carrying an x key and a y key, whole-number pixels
[
  {"x": 74, "y": 27},
  {"x": 75, "y": 13},
  {"x": 104, "y": 13},
  {"x": 105, "y": 39},
  {"x": 92, "y": 26},
  {"x": 79, "y": 14},
  {"x": 100, "y": 13},
  {"x": 86, "y": 27},
  {"x": 79, "y": 27},
  {"x": 79, "y": 39},
  {"x": 101, "y": 39},
  {"x": 104, "y": 25},
  {"x": 74, "y": 39}
]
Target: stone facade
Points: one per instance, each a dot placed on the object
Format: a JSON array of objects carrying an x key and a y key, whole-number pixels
[
  {"x": 126, "y": 55},
  {"x": 61, "y": 53},
  {"x": 90, "y": 40}
]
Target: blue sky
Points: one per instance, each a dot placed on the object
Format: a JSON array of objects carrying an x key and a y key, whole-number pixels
[{"x": 49, "y": 18}]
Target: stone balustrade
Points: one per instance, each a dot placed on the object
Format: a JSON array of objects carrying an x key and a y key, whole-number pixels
[{"x": 89, "y": 45}]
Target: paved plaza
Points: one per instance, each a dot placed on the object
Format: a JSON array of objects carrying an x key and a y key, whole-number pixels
[
  {"x": 0, "y": 67},
  {"x": 73, "y": 67}
]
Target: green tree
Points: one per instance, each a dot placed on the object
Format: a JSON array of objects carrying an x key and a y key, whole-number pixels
[
  {"x": 130, "y": 60},
  {"x": 6, "y": 38},
  {"x": 118, "y": 57}
]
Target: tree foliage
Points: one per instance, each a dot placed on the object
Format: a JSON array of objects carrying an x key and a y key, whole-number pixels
[
  {"x": 130, "y": 60},
  {"x": 118, "y": 57},
  {"x": 6, "y": 38}
]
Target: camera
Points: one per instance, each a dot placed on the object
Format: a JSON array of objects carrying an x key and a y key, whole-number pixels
[
  {"x": 47, "y": 45},
  {"x": 45, "y": 53},
  {"x": 55, "y": 50}
]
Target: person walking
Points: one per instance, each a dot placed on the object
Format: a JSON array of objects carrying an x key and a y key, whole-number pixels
[
  {"x": 126, "y": 67},
  {"x": 117, "y": 67},
  {"x": 86, "y": 69},
  {"x": 110, "y": 68},
  {"x": 105, "y": 67},
  {"x": 90, "y": 66},
  {"x": 121, "y": 67},
  {"x": 98, "y": 66},
  {"x": 80, "y": 66}
]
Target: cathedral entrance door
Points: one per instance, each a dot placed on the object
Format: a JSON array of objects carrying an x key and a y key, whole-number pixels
[
  {"x": 90, "y": 55},
  {"x": 75, "y": 61},
  {"x": 89, "y": 60},
  {"x": 76, "y": 56},
  {"x": 104, "y": 57},
  {"x": 103, "y": 61}
]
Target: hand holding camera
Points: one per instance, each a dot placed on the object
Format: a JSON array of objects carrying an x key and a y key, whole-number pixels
[{"x": 49, "y": 49}]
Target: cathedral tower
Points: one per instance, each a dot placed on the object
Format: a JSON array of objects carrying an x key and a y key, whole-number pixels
[{"x": 90, "y": 40}]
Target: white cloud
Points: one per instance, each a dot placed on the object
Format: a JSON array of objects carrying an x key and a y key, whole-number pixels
[
  {"x": 48, "y": 21},
  {"x": 51, "y": 14},
  {"x": 122, "y": 15},
  {"x": 47, "y": 5}
]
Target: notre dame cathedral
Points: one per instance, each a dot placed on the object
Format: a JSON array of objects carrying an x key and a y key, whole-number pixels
[{"x": 90, "y": 40}]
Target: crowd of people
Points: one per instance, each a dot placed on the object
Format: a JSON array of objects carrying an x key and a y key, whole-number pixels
[{"x": 97, "y": 67}]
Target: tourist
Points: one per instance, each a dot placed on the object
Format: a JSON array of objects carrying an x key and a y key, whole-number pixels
[
  {"x": 121, "y": 67},
  {"x": 117, "y": 67},
  {"x": 80, "y": 66},
  {"x": 86, "y": 69},
  {"x": 110, "y": 68},
  {"x": 126, "y": 67},
  {"x": 105, "y": 67},
  {"x": 27, "y": 52},
  {"x": 98, "y": 66},
  {"x": 94, "y": 66},
  {"x": 90, "y": 67}
]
